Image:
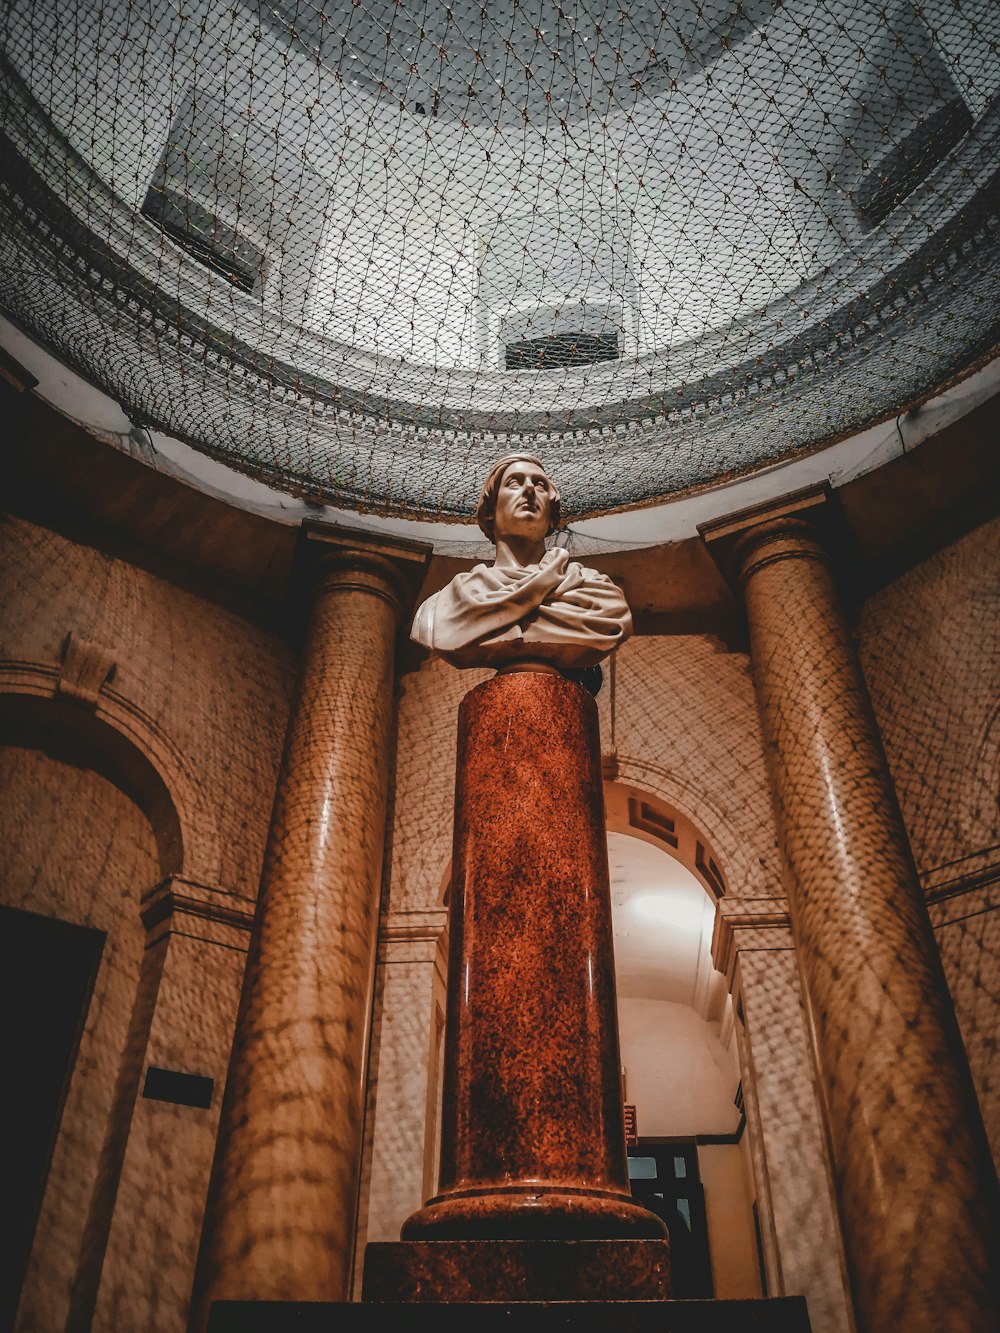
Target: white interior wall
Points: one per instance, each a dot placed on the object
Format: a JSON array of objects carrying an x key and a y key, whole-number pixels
[
  {"x": 683, "y": 1081},
  {"x": 677, "y": 1073}
]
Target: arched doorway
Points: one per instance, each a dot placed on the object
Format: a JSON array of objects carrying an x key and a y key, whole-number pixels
[
  {"x": 86, "y": 826},
  {"x": 680, "y": 1065}
]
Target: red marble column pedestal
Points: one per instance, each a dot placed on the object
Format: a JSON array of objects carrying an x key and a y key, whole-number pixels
[
  {"x": 534, "y": 1224},
  {"x": 532, "y": 1143}
]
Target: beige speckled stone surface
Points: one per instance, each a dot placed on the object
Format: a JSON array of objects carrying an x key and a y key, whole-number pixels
[
  {"x": 908, "y": 1150},
  {"x": 166, "y": 769},
  {"x": 930, "y": 650},
  {"x": 800, "y": 1236},
  {"x": 281, "y": 1214},
  {"x": 966, "y": 920}
]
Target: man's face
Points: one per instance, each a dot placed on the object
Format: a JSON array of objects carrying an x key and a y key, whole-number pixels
[{"x": 524, "y": 502}]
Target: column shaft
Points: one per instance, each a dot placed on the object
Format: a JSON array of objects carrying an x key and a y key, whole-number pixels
[
  {"x": 910, "y": 1158},
  {"x": 282, "y": 1208},
  {"x": 532, "y": 1141}
]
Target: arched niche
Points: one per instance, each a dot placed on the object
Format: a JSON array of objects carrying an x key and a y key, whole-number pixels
[
  {"x": 89, "y": 827},
  {"x": 70, "y": 734},
  {"x": 678, "y": 1040}
]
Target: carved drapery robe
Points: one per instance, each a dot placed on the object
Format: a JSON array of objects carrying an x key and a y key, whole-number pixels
[{"x": 557, "y": 611}]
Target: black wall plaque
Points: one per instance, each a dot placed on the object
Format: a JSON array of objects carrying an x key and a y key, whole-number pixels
[{"x": 169, "y": 1085}]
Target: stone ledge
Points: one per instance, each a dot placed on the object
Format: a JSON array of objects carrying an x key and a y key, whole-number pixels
[{"x": 785, "y": 1314}]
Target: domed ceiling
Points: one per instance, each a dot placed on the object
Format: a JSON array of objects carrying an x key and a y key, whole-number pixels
[{"x": 357, "y": 248}]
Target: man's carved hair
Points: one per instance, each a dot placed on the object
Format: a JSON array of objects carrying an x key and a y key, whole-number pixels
[{"x": 487, "y": 507}]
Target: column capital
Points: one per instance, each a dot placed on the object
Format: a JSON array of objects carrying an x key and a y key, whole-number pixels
[
  {"x": 331, "y": 558},
  {"x": 409, "y": 937},
  {"x": 804, "y": 524},
  {"x": 748, "y": 923}
]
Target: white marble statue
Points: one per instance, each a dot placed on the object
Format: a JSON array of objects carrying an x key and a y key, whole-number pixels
[{"x": 531, "y": 607}]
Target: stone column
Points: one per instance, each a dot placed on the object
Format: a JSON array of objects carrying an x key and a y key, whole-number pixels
[
  {"x": 913, "y": 1174},
  {"x": 281, "y": 1215}
]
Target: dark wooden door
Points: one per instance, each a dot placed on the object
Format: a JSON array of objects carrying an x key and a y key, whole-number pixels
[
  {"x": 665, "y": 1177},
  {"x": 47, "y": 970}
]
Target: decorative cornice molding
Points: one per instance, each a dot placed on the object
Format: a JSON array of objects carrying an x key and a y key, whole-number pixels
[
  {"x": 415, "y": 936},
  {"x": 426, "y": 924},
  {"x": 176, "y": 904}
]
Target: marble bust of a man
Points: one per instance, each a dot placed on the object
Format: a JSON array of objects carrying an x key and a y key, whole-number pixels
[{"x": 531, "y": 607}]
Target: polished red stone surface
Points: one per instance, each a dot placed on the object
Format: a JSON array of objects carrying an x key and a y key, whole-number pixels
[{"x": 532, "y": 1137}]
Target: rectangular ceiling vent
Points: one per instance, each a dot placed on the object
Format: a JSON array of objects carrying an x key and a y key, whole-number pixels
[
  {"x": 910, "y": 162},
  {"x": 555, "y": 290},
  {"x": 557, "y": 351},
  {"x": 903, "y": 113},
  {"x": 204, "y": 197}
]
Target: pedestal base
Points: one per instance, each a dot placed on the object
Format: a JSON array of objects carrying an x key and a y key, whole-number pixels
[
  {"x": 517, "y": 1270},
  {"x": 533, "y": 1212}
]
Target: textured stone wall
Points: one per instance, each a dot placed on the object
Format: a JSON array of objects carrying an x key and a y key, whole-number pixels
[
  {"x": 682, "y": 722},
  {"x": 930, "y": 649},
  {"x": 137, "y": 803},
  {"x": 207, "y": 691}
]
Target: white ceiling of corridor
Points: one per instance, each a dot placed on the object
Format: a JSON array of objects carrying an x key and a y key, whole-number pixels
[{"x": 357, "y": 248}]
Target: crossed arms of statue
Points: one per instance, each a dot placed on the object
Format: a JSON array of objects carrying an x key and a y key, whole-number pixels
[{"x": 556, "y": 611}]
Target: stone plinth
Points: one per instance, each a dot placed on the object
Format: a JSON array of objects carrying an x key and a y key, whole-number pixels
[
  {"x": 532, "y": 1137},
  {"x": 517, "y": 1270}
]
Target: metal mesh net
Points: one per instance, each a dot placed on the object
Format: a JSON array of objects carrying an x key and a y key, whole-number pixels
[{"x": 358, "y": 248}]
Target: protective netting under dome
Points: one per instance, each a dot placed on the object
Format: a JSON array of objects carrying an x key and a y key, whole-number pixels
[{"x": 358, "y": 248}]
